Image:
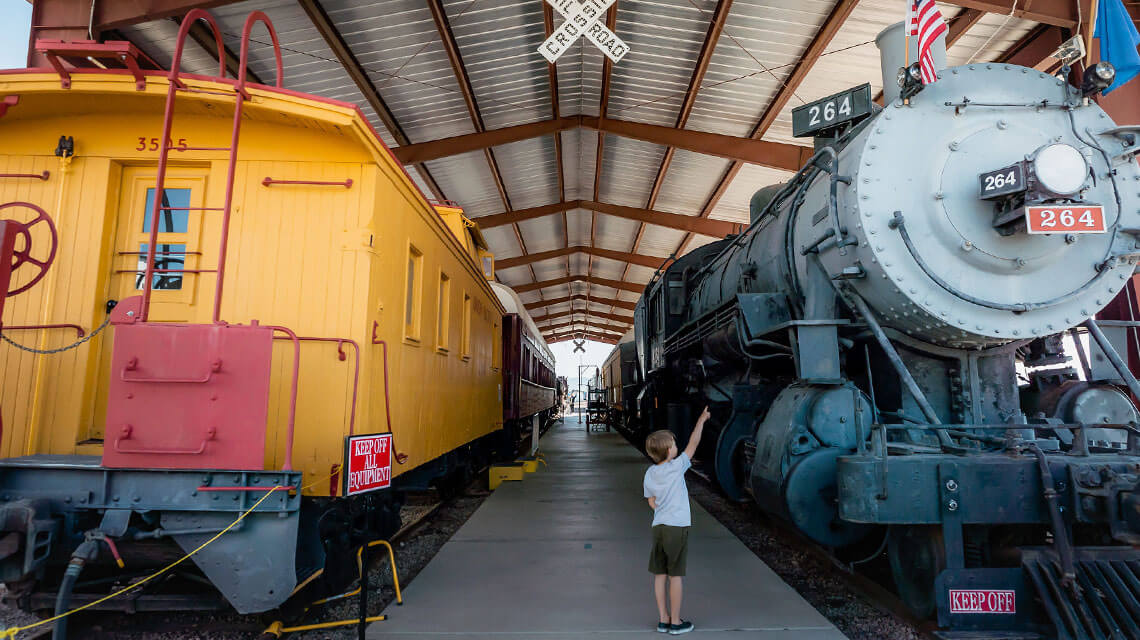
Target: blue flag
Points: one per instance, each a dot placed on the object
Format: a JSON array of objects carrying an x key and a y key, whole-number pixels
[{"x": 1118, "y": 41}]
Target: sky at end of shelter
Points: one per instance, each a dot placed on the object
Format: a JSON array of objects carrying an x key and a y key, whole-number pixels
[
  {"x": 15, "y": 23},
  {"x": 566, "y": 361}
]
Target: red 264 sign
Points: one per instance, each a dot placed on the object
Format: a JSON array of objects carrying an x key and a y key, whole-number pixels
[
  {"x": 1065, "y": 219},
  {"x": 367, "y": 463}
]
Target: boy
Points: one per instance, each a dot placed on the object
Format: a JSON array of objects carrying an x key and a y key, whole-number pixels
[{"x": 669, "y": 498}]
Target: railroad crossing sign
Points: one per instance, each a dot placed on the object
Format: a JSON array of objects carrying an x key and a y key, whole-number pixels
[
  {"x": 582, "y": 18},
  {"x": 579, "y": 345}
]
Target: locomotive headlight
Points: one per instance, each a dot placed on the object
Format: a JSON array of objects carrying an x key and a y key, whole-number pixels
[
  {"x": 1098, "y": 77},
  {"x": 1060, "y": 168}
]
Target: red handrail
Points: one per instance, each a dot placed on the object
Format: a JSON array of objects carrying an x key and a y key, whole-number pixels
[
  {"x": 387, "y": 398},
  {"x": 355, "y": 376},
  {"x": 167, "y": 120},
  {"x": 250, "y": 20},
  {"x": 347, "y": 183},
  {"x": 40, "y": 176},
  {"x": 78, "y": 329},
  {"x": 288, "y": 466}
]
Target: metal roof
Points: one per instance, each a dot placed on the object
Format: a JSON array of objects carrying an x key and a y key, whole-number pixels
[{"x": 428, "y": 70}]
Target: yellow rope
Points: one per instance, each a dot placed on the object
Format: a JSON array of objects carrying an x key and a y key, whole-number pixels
[{"x": 12, "y": 631}]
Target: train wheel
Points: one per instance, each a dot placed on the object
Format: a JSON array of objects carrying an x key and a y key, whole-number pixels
[{"x": 917, "y": 556}]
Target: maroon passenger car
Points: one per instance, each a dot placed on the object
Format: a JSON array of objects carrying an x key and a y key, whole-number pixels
[{"x": 529, "y": 381}]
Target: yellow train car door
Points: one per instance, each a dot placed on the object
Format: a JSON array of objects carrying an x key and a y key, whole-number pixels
[{"x": 185, "y": 257}]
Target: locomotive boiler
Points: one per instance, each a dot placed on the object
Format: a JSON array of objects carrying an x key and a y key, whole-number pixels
[{"x": 884, "y": 346}]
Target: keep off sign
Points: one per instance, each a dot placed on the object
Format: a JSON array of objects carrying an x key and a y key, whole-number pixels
[
  {"x": 982, "y": 601},
  {"x": 367, "y": 463}
]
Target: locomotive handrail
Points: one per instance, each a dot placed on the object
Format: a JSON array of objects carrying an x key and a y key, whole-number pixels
[{"x": 174, "y": 452}]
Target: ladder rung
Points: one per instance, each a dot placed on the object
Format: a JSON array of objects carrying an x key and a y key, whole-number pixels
[
  {"x": 198, "y": 148},
  {"x": 191, "y": 209},
  {"x": 206, "y": 91}
]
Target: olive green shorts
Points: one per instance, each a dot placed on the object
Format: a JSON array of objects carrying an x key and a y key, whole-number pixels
[{"x": 670, "y": 548}]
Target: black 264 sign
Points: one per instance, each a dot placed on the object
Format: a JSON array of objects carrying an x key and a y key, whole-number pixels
[{"x": 832, "y": 111}]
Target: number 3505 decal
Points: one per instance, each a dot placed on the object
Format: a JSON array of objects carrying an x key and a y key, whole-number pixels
[{"x": 151, "y": 144}]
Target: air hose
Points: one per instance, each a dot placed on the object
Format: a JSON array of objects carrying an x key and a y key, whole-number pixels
[{"x": 87, "y": 551}]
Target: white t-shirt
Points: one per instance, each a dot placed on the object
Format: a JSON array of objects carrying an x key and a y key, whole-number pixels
[{"x": 666, "y": 483}]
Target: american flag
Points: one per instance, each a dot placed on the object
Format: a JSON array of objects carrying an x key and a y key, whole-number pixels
[{"x": 926, "y": 22}]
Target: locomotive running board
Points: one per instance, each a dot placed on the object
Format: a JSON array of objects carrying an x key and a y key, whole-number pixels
[{"x": 1103, "y": 601}]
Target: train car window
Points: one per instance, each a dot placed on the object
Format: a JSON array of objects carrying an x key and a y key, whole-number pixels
[
  {"x": 442, "y": 318},
  {"x": 413, "y": 294},
  {"x": 174, "y": 217},
  {"x": 465, "y": 337},
  {"x": 169, "y": 260},
  {"x": 676, "y": 297}
]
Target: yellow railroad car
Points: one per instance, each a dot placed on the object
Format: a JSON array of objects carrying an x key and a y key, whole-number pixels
[{"x": 308, "y": 240}]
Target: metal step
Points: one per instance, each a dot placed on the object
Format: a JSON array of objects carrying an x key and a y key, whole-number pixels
[{"x": 1101, "y": 603}]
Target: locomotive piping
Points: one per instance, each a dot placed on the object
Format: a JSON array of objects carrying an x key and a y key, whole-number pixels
[
  {"x": 1113, "y": 357},
  {"x": 898, "y": 364}
]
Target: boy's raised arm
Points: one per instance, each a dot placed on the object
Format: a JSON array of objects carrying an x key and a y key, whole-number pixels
[{"x": 695, "y": 438}]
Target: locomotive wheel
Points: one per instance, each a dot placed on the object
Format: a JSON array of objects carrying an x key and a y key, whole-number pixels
[
  {"x": 917, "y": 556},
  {"x": 731, "y": 467},
  {"x": 23, "y": 255}
]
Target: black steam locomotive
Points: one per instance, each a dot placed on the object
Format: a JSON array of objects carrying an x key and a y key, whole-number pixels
[{"x": 901, "y": 349}]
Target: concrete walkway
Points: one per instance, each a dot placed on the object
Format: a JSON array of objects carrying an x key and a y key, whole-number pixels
[{"x": 563, "y": 555}]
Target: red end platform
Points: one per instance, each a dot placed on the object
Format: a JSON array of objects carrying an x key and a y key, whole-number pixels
[{"x": 187, "y": 396}]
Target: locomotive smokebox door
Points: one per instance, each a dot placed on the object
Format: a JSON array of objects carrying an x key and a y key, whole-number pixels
[{"x": 188, "y": 396}]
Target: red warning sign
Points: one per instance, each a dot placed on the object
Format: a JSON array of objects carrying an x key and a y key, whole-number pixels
[
  {"x": 367, "y": 463},
  {"x": 982, "y": 601}
]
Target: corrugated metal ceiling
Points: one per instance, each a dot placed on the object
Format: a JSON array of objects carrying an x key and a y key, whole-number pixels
[{"x": 399, "y": 46}]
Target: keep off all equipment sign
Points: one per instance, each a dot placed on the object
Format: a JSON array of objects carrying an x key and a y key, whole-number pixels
[
  {"x": 582, "y": 18},
  {"x": 367, "y": 463}
]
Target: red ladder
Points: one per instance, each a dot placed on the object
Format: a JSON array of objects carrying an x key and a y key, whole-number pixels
[{"x": 240, "y": 94}]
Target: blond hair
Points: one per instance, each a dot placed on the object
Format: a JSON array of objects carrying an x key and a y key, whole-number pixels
[{"x": 658, "y": 443}]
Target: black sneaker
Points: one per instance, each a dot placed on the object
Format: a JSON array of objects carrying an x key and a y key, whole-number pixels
[
  {"x": 678, "y": 629},
  {"x": 663, "y": 627}
]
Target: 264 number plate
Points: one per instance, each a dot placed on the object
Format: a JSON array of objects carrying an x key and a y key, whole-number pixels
[{"x": 1065, "y": 219}]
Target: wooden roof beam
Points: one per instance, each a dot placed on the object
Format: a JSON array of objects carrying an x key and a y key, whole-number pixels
[
  {"x": 712, "y": 36},
  {"x": 363, "y": 82},
  {"x": 577, "y": 335},
  {"x": 556, "y": 112},
  {"x": 451, "y": 47},
  {"x": 704, "y": 226},
  {"x": 626, "y": 321},
  {"x": 615, "y": 329},
  {"x": 620, "y": 304},
  {"x": 777, "y": 155},
  {"x": 603, "y": 108},
  {"x": 1061, "y": 13},
  {"x": 810, "y": 56},
  {"x": 620, "y": 285},
  {"x": 629, "y": 258}
]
